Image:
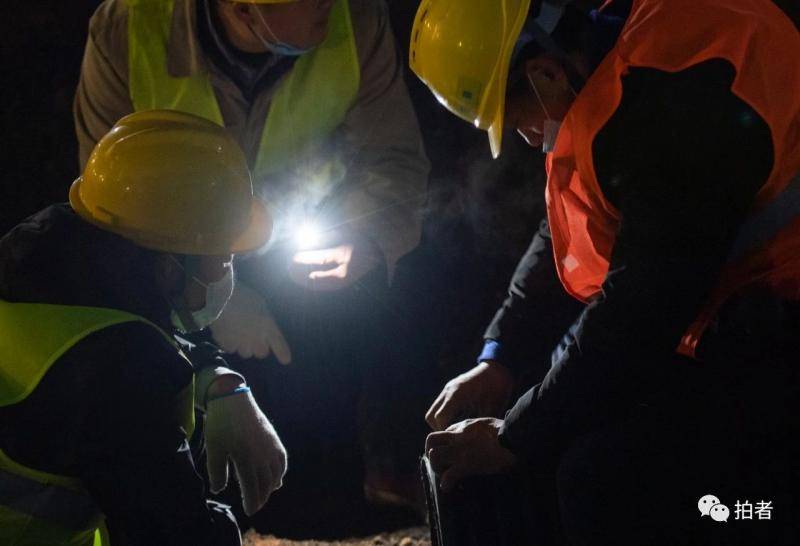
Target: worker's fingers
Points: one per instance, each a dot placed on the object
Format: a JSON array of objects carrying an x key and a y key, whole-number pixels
[
  {"x": 217, "y": 466},
  {"x": 282, "y": 351},
  {"x": 449, "y": 412},
  {"x": 438, "y": 439},
  {"x": 228, "y": 342},
  {"x": 442, "y": 457},
  {"x": 261, "y": 350},
  {"x": 279, "y": 464},
  {"x": 277, "y": 341},
  {"x": 430, "y": 416},
  {"x": 266, "y": 485},
  {"x": 278, "y": 470},
  {"x": 316, "y": 257},
  {"x": 250, "y": 488},
  {"x": 338, "y": 272},
  {"x": 245, "y": 350},
  {"x": 455, "y": 408},
  {"x": 452, "y": 476},
  {"x": 328, "y": 280}
]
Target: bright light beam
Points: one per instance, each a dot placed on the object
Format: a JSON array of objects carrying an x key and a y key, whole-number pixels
[{"x": 307, "y": 236}]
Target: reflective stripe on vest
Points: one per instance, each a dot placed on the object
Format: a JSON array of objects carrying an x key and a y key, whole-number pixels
[
  {"x": 310, "y": 102},
  {"x": 40, "y": 508},
  {"x": 55, "y": 504},
  {"x": 672, "y": 35},
  {"x": 33, "y": 336},
  {"x": 32, "y": 339}
]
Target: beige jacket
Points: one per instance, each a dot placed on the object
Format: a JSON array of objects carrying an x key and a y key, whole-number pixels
[{"x": 379, "y": 140}]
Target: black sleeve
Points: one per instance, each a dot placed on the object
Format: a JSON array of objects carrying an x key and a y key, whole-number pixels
[
  {"x": 134, "y": 458},
  {"x": 681, "y": 159},
  {"x": 208, "y": 362},
  {"x": 536, "y": 312}
]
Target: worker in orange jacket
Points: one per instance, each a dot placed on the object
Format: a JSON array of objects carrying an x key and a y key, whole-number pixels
[{"x": 672, "y": 133}]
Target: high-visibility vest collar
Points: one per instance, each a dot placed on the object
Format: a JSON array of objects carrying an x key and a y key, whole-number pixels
[
  {"x": 38, "y": 507},
  {"x": 310, "y": 102}
]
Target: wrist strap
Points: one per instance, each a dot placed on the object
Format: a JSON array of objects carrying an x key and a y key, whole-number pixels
[{"x": 237, "y": 390}]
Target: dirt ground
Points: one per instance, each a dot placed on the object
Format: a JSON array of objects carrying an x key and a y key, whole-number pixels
[{"x": 417, "y": 536}]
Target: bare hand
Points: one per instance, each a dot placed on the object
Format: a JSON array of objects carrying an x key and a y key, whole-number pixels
[
  {"x": 336, "y": 267},
  {"x": 468, "y": 448},
  {"x": 483, "y": 391}
]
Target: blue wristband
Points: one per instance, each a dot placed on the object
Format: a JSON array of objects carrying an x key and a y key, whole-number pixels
[
  {"x": 492, "y": 350},
  {"x": 237, "y": 390}
]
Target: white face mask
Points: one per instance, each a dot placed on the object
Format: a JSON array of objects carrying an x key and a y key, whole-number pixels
[
  {"x": 551, "y": 126},
  {"x": 550, "y": 134},
  {"x": 217, "y": 295}
]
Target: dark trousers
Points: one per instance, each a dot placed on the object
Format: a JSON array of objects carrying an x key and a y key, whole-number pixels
[
  {"x": 340, "y": 371},
  {"x": 727, "y": 429}
]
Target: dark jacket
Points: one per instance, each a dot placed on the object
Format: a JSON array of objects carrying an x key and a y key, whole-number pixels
[
  {"x": 681, "y": 159},
  {"x": 99, "y": 412}
]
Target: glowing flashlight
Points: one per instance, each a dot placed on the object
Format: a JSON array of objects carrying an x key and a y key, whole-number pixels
[{"x": 307, "y": 236}]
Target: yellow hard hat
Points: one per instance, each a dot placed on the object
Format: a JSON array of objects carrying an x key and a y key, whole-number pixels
[
  {"x": 172, "y": 182},
  {"x": 462, "y": 49}
]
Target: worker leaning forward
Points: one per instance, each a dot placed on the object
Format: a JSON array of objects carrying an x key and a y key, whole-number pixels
[
  {"x": 668, "y": 411},
  {"x": 313, "y": 92},
  {"x": 97, "y": 395}
]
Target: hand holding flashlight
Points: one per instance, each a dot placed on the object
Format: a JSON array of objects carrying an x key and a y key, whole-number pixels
[{"x": 336, "y": 266}]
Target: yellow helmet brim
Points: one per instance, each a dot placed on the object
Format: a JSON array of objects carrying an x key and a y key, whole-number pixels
[
  {"x": 258, "y": 232},
  {"x": 255, "y": 236},
  {"x": 496, "y": 95},
  {"x": 173, "y": 182},
  {"x": 462, "y": 51}
]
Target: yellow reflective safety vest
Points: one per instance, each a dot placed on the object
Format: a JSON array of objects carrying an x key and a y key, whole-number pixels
[
  {"x": 310, "y": 102},
  {"x": 38, "y": 508}
]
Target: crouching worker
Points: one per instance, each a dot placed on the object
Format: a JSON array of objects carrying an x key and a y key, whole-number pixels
[{"x": 96, "y": 396}]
